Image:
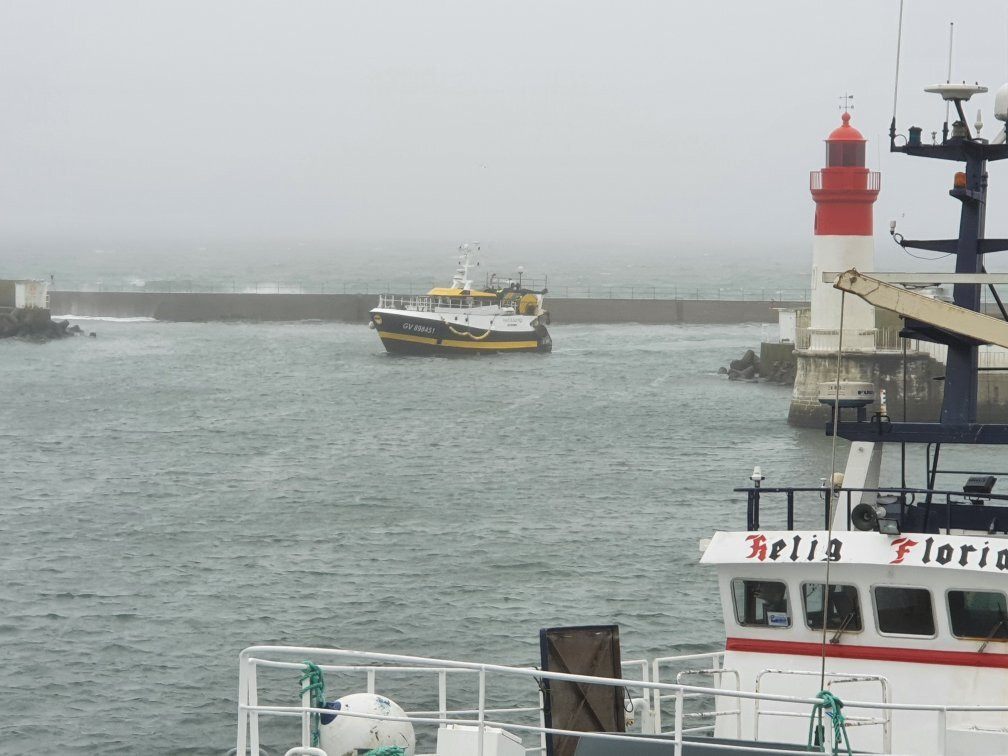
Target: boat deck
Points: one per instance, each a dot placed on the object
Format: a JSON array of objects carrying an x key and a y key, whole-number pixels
[{"x": 675, "y": 698}]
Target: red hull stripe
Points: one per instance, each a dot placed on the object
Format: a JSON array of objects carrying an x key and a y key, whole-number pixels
[{"x": 875, "y": 653}]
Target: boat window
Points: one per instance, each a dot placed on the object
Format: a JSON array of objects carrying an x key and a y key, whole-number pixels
[
  {"x": 904, "y": 611},
  {"x": 978, "y": 614},
  {"x": 844, "y": 610},
  {"x": 761, "y": 602}
]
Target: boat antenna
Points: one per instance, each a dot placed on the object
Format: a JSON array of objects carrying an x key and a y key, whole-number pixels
[
  {"x": 948, "y": 77},
  {"x": 899, "y": 40}
]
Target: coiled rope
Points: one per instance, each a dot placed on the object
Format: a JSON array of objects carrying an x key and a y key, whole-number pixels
[
  {"x": 832, "y": 705},
  {"x": 316, "y": 687},
  {"x": 387, "y": 751},
  {"x": 469, "y": 333}
]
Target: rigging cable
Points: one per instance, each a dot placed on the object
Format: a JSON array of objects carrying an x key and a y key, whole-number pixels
[
  {"x": 832, "y": 494},
  {"x": 899, "y": 40},
  {"x": 828, "y": 700}
]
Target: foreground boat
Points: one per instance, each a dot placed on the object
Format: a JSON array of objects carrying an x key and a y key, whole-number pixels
[
  {"x": 885, "y": 630},
  {"x": 506, "y": 316}
]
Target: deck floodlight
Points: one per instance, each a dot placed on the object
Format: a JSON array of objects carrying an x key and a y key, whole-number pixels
[
  {"x": 882, "y": 516},
  {"x": 979, "y": 484},
  {"x": 888, "y": 527}
]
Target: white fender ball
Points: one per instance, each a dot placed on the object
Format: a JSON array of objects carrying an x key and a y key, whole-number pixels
[{"x": 349, "y": 735}]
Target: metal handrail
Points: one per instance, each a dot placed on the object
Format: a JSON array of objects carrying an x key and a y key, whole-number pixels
[
  {"x": 426, "y": 303},
  {"x": 907, "y": 496},
  {"x": 833, "y": 678},
  {"x": 249, "y": 708}
]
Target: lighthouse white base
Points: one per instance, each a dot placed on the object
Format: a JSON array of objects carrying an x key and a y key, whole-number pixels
[
  {"x": 854, "y": 339},
  {"x": 884, "y": 370}
]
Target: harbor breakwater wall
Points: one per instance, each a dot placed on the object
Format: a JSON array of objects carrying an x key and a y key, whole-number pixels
[{"x": 354, "y": 308}]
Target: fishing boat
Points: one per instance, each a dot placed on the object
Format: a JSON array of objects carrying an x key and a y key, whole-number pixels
[
  {"x": 878, "y": 624},
  {"x": 506, "y": 315}
]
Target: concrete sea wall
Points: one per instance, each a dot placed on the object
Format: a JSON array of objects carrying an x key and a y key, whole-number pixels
[
  {"x": 354, "y": 308},
  {"x": 885, "y": 370}
]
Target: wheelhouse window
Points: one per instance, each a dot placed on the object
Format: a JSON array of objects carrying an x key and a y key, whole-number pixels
[
  {"x": 843, "y": 610},
  {"x": 904, "y": 611},
  {"x": 978, "y": 614},
  {"x": 761, "y": 603}
]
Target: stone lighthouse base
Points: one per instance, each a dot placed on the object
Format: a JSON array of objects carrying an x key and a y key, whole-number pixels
[{"x": 882, "y": 369}]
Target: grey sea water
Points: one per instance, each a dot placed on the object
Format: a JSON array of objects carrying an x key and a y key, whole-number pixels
[{"x": 172, "y": 493}]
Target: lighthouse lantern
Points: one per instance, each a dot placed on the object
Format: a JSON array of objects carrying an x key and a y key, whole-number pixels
[{"x": 844, "y": 192}]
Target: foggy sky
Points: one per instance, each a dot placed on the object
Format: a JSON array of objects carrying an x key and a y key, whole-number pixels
[{"x": 569, "y": 120}]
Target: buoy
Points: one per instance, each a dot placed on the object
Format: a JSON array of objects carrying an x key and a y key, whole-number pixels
[{"x": 349, "y": 735}]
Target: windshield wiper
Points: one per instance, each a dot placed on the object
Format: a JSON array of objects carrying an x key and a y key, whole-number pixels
[
  {"x": 843, "y": 626},
  {"x": 1003, "y": 622}
]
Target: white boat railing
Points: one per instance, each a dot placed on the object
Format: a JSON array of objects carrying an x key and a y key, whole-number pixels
[
  {"x": 521, "y": 720},
  {"x": 426, "y": 303},
  {"x": 832, "y": 679},
  {"x": 715, "y": 670}
]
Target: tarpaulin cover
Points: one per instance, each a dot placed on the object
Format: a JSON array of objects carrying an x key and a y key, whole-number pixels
[{"x": 590, "y": 650}]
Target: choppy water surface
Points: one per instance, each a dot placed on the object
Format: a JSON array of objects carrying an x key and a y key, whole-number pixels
[{"x": 175, "y": 492}]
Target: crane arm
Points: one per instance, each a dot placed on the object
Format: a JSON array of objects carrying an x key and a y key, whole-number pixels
[{"x": 910, "y": 304}]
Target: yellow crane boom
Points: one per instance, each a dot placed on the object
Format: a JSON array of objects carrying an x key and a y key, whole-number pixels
[{"x": 910, "y": 304}]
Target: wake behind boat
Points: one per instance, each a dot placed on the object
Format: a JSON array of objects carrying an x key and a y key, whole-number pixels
[{"x": 506, "y": 316}]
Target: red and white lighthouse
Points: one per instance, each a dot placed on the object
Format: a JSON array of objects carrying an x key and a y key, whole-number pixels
[{"x": 844, "y": 193}]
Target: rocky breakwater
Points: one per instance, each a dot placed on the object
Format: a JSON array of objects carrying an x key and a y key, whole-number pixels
[
  {"x": 34, "y": 324},
  {"x": 754, "y": 368}
]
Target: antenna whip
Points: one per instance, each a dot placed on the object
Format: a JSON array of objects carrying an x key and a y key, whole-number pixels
[{"x": 899, "y": 41}]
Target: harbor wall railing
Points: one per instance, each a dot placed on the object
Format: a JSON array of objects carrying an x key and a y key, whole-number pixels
[{"x": 354, "y": 308}]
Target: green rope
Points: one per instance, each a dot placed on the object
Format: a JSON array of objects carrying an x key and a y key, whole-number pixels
[
  {"x": 832, "y": 705},
  {"x": 387, "y": 751},
  {"x": 316, "y": 687}
]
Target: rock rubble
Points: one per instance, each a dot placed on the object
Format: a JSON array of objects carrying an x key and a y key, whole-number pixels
[{"x": 35, "y": 324}]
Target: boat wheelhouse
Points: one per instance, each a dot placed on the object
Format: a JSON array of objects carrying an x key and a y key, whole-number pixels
[{"x": 506, "y": 316}]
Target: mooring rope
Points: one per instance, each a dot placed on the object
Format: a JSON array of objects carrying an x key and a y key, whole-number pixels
[
  {"x": 316, "y": 687},
  {"x": 832, "y": 705}
]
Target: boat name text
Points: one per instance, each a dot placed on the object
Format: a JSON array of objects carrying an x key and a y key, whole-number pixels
[
  {"x": 943, "y": 553},
  {"x": 905, "y": 550},
  {"x": 762, "y": 550}
]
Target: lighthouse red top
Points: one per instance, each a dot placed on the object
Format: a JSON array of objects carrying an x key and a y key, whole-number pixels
[
  {"x": 845, "y": 132},
  {"x": 844, "y": 190}
]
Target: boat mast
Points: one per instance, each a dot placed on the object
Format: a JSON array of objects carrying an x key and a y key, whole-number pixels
[
  {"x": 467, "y": 259},
  {"x": 958, "y": 420}
]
